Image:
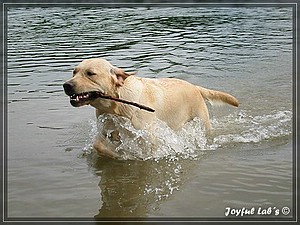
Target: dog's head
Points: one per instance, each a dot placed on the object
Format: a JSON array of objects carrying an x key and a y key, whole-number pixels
[{"x": 94, "y": 75}]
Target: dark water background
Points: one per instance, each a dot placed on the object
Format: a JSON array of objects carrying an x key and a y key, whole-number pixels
[{"x": 245, "y": 162}]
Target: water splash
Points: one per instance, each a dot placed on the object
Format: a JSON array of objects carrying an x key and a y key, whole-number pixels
[
  {"x": 87, "y": 149},
  {"x": 253, "y": 129},
  {"x": 191, "y": 141},
  {"x": 156, "y": 143}
]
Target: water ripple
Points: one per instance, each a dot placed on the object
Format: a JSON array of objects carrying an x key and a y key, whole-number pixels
[{"x": 245, "y": 51}]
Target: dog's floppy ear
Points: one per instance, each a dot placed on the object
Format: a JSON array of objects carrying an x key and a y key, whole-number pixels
[{"x": 121, "y": 75}]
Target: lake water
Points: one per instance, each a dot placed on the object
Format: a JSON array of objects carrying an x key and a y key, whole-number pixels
[{"x": 246, "y": 161}]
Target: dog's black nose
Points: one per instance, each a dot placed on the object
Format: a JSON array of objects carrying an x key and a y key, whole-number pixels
[{"x": 69, "y": 88}]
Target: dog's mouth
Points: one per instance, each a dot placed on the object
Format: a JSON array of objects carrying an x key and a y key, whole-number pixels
[{"x": 84, "y": 98}]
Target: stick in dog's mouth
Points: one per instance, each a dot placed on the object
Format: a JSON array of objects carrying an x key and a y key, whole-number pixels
[{"x": 81, "y": 99}]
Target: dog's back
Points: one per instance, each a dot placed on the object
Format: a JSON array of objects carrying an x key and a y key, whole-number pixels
[{"x": 175, "y": 101}]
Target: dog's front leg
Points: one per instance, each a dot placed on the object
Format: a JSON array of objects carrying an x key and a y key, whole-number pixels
[{"x": 104, "y": 148}]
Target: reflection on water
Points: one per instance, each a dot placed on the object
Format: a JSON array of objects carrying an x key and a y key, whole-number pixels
[
  {"x": 246, "y": 51},
  {"x": 128, "y": 192}
]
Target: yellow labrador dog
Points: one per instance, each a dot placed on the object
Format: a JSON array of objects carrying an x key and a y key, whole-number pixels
[{"x": 174, "y": 101}]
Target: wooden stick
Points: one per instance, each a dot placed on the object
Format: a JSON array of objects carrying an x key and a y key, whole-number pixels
[{"x": 100, "y": 95}]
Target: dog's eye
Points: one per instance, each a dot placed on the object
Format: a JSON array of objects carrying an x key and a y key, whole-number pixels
[
  {"x": 90, "y": 73},
  {"x": 75, "y": 71}
]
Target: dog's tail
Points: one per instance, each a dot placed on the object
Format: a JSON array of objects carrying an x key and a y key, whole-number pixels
[{"x": 218, "y": 97}]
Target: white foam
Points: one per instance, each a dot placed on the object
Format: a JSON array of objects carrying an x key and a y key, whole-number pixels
[{"x": 255, "y": 129}]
